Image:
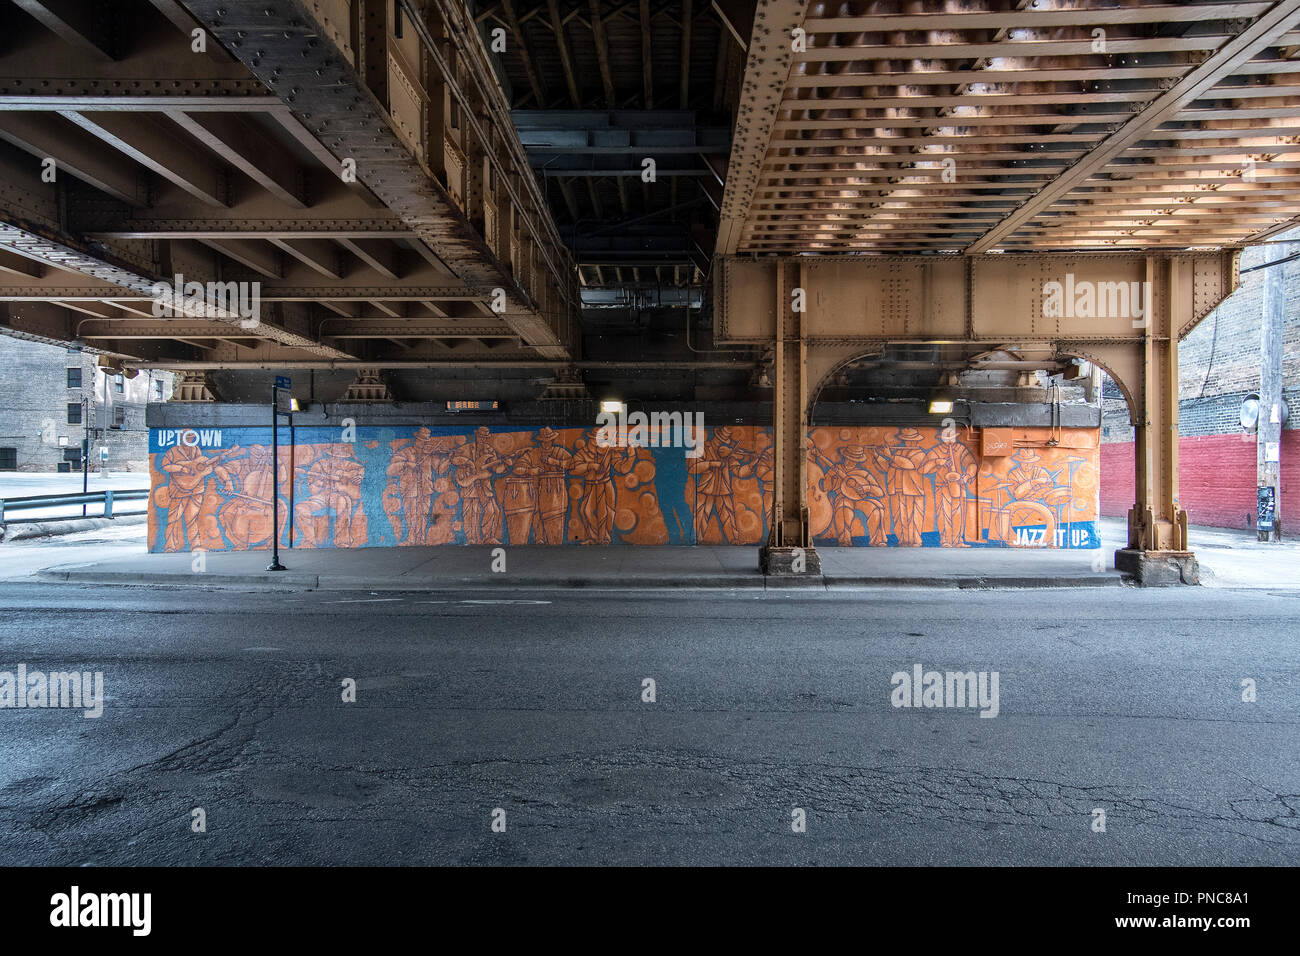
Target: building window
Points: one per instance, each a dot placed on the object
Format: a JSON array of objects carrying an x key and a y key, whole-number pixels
[
  {"x": 158, "y": 390},
  {"x": 119, "y": 416},
  {"x": 72, "y": 455},
  {"x": 8, "y": 459},
  {"x": 119, "y": 384},
  {"x": 74, "y": 413},
  {"x": 74, "y": 378}
]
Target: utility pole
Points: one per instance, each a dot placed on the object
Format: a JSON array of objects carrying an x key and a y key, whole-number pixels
[
  {"x": 86, "y": 409},
  {"x": 1268, "y": 429}
]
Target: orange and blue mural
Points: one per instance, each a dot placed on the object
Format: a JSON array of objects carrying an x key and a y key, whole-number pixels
[
  {"x": 407, "y": 486},
  {"x": 956, "y": 488}
]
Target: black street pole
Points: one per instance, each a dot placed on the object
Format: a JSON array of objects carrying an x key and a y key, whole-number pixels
[
  {"x": 275, "y": 564},
  {"x": 85, "y": 451}
]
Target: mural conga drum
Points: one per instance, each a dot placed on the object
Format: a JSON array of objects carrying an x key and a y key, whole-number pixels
[
  {"x": 996, "y": 518},
  {"x": 520, "y": 502}
]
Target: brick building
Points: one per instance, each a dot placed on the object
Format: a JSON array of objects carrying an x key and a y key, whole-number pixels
[
  {"x": 1219, "y": 366},
  {"x": 51, "y": 397}
]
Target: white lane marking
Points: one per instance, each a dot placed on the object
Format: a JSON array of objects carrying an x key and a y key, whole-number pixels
[
  {"x": 505, "y": 602},
  {"x": 365, "y": 601}
]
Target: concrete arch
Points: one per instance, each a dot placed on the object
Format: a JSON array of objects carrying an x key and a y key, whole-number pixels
[
  {"x": 1106, "y": 364},
  {"x": 825, "y": 363},
  {"x": 841, "y": 360},
  {"x": 1129, "y": 367}
]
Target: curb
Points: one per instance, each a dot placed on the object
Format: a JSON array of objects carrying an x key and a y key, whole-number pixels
[
  {"x": 305, "y": 581},
  {"x": 299, "y": 581},
  {"x": 978, "y": 582},
  {"x": 28, "y": 531}
]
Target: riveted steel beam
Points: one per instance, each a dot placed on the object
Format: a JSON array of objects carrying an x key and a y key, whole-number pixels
[
  {"x": 767, "y": 72},
  {"x": 285, "y": 46},
  {"x": 34, "y": 242},
  {"x": 1228, "y": 55}
]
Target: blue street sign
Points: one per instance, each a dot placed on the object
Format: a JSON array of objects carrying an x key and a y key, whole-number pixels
[{"x": 283, "y": 381}]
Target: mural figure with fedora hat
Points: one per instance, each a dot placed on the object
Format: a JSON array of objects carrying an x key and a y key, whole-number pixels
[
  {"x": 903, "y": 463},
  {"x": 1029, "y": 480},
  {"x": 722, "y": 461},
  {"x": 537, "y": 493},
  {"x": 476, "y": 463},
  {"x": 852, "y": 490},
  {"x": 595, "y": 462},
  {"x": 954, "y": 468}
]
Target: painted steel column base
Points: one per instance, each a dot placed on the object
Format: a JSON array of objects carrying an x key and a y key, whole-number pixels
[
  {"x": 1158, "y": 568},
  {"x": 793, "y": 562}
]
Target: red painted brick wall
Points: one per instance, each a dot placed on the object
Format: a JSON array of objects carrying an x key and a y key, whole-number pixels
[
  {"x": 1116, "y": 479},
  {"x": 1216, "y": 479}
]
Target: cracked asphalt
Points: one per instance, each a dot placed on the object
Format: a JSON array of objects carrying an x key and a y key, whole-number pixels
[{"x": 531, "y": 702}]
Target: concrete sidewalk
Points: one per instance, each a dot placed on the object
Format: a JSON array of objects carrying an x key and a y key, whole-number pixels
[
  {"x": 389, "y": 569},
  {"x": 1229, "y": 559}
]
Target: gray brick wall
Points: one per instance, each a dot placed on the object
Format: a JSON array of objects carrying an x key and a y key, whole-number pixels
[
  {"x": 1218, "y": 362},
  {"x": 34, "y": 400}
]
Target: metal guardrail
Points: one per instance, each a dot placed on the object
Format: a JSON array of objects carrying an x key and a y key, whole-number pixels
[{"x": 107, "y": 498}]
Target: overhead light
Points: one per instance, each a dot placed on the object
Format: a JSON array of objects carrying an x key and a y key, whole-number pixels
[
  {"x": 612, "y": 407},
  {"x": 941, "y": 406}
]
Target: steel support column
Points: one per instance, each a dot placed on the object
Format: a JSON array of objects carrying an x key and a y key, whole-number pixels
[
  {"x": 789, "y": 547},
  {"x": 1157, "y": 549},
  {"x": 1156, "y": 523}
]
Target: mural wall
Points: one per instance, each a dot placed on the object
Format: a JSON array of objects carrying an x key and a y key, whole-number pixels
[{"x": 391, "y": 486}]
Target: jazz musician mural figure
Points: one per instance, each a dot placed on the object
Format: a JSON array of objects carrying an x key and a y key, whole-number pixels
[
  {"x": 537, "y": 493},
  {"x": 245, "y": 511},
  {"x": 902, "y": 464},
  {"x": 852, "y": 490},
  {"x": 596, "y": 462},
  {"x": 334, "y": 491},
  {"x": 476, "y": 464},
  {"x": 1029, "y": 480},
  {"x": 414, "y": 469},
  {"x": 187, "y": 471},
  {"x": 716, "y": 469},
  {"x": 953, "y": 467}
]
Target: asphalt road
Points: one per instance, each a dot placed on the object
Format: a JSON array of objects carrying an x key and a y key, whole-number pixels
[{"x": 531, "y": 702}]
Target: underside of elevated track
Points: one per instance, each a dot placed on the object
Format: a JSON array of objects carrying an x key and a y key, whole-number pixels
[{"x": 822, "y": 227}]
